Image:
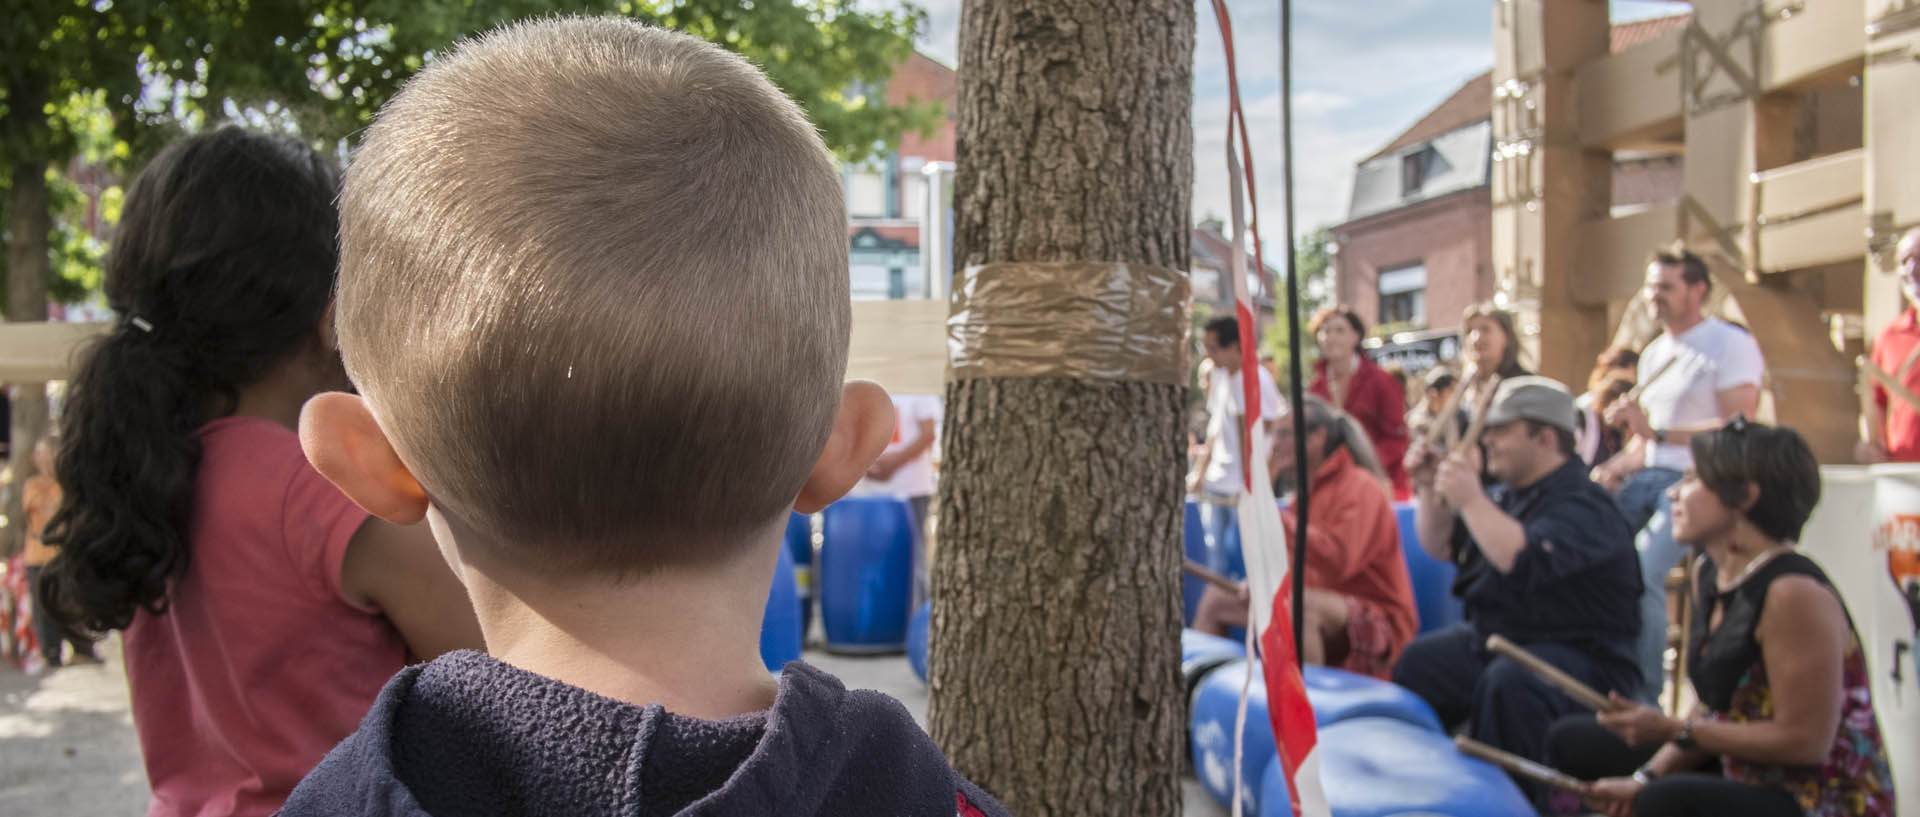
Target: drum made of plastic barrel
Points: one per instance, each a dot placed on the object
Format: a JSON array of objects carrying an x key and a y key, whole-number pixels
[
  {"x": 1275, "y": 800},
  {"x": 799, "y": 544},
  {"x": 1338, "y": 695},
  {"x": 1195, "y": 545},
  {"x": 1216, "y": 702},
  {"x": 780, "y": 633},
  {"x": 1432, "y": 579},
  {"x": 865, "y": 574},
  {"x": 917, "y": 640},
  {"x": 1382, "y": 767},
  {"x": 1201, "y": 652}
]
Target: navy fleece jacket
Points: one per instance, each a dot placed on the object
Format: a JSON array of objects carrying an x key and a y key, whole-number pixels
[{"x": 469, "y": 736}]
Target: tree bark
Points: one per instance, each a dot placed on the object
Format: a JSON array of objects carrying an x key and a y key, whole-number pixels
[
  {"x": 1056, "y": 622},
  {"x": 29, "y": 223}
]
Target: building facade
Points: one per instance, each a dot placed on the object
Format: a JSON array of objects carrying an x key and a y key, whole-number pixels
[
  {"x": 1417, "y": 246},
  {"x": 887, "y": 197}
]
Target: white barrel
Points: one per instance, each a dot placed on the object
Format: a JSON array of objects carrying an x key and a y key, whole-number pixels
[{"x": 1868, "y": 521}]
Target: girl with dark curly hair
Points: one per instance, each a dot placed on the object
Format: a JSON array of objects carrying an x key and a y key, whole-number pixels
[{"x": 261, "y": 609}]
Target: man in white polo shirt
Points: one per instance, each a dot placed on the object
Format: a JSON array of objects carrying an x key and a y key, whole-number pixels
[
  {"x": 1216, "y": 480},
  {"x": 1695, "y": 377}
]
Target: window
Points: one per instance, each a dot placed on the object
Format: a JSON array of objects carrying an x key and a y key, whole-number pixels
[
  {"x": 1403, "y": 294},
  {"x": 913, "y": 198},
  {"x": 1413, "y": 170},
  {"x": 871, "y": 282},
  {"x": 866, "y": 193}
]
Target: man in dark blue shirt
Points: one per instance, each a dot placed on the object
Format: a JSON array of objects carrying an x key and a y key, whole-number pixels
[{"x": 1545, "y": 559}]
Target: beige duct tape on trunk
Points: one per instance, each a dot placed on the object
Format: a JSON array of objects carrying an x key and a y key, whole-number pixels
[{"x": 1086, "y": 320}]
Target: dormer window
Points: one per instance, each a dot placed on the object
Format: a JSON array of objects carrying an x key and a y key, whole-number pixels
[{"x": 1413, "y": 170}]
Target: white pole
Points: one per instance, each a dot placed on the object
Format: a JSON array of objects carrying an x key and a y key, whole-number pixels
[{"x": 934, "y": 263}]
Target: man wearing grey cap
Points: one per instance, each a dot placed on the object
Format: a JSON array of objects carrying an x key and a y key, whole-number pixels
[{"x": 1545, "y": 559}]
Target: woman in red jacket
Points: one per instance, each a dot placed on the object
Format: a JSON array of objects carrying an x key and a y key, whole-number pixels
[{"x": 1346, "y": 378}]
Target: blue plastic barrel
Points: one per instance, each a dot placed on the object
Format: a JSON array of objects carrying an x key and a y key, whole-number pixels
[
  {"x": 1432, "y": 579},
  {"x": 799, "y": 543},
  {"x": 917, "y": 640},
  {"x": 1338, "y": 695},
  {"x": 1215, "y": 703},
  {"x": 1274, "y": 798},
  {"x": 1380, "y": 767},
  {"x": 780, "y": 632},
  {"x": 1201, "y": 652},
  {"x": 865, "y": 574},
  {"x": 1195, "y": 545}
]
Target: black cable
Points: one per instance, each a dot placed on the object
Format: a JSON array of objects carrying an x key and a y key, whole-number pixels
[{"x": 1296, "y": 393}]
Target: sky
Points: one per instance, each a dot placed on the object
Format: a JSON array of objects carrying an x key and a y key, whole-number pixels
[{"x": 1366, "y": 70}]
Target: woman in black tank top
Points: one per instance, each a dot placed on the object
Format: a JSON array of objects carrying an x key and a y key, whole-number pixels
[{"x": 1785, "y": 722}]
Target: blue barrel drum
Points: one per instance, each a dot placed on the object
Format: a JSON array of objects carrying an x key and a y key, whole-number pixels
[
  {"x": 780, "y": 631},
  {"x": 865, "y": 574}
]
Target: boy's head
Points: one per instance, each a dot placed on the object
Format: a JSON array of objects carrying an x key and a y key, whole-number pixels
[{"x": 594, "y": 289}]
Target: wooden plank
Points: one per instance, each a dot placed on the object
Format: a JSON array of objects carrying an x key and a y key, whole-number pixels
[
  {"x": 1817, "y": 184},
  {"x": 1720, "y": 158},
  {"x": 902, "y": 345},
  {"x": 41, "y": 352},
  {"x": 1827, "y": 238},
  {"x": 1892, "y": 80},
  {"x": 1613, "y": 252},
  {"x": 1818, "y": 38},
  {"x": 1626, "y": 98}
]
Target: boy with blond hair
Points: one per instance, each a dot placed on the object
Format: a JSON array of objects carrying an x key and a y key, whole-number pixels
[{"x": 537, "y": 236}]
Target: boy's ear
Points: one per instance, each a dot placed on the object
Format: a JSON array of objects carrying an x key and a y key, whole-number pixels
[
  {"x": 860, "y": 432},
  {"x": 347, "y": 447}
]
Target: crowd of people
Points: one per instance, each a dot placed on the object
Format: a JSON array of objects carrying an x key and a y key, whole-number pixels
[
  {"x": 385, "y": 536},
  {"x": 1564, "y": 517}
]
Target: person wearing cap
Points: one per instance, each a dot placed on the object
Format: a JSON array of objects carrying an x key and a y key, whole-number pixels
[{"x": 1545, "y": 558}]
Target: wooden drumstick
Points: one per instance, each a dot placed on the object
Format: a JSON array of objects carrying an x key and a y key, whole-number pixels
[
  {"x": 1886, "y": 381},
  {"x": 1479, "y": 422},
  {"x": 1633, "y": 394},
  {"x": 1549, "y": 673},
  {"x": 1875, "y": 434},
  {"x": 1444, "y": 420},
  {"x": 1200, "y": 571},
  {"x": 1538, "y": 772}
]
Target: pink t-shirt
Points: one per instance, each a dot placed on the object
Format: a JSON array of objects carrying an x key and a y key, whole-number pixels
[{"x": 260, "y": 665}]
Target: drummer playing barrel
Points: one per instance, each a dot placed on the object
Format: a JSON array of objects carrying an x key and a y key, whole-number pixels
[{"x": 1546, "y": 560}]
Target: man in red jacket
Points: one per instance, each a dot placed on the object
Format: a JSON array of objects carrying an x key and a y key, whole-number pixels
[{"x": 1359, "y": 602}]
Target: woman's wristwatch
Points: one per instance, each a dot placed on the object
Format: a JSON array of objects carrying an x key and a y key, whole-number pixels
[
  {"x": 1685, "y": 739},
  {"x": 1643, "y": 776}
]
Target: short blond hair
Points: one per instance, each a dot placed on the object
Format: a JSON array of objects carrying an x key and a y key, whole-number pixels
[{"x": 594, "y": 285}]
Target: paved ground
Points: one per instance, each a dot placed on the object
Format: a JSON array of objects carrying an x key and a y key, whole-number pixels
[{"x": 67, "y": 745}]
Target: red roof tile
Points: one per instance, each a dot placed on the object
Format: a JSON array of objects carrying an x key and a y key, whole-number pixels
[{"x": 1628, "y": 35}]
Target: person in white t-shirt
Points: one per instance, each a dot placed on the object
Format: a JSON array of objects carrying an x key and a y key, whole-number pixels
[
  {"x": 905, "y": 470},
  {"x": 1694, "y": 377},
  {"x": 1217, "y": 477}
]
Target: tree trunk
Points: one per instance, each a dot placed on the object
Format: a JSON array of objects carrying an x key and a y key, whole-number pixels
[
  {"x": 29, "y": 223},
  {"x": 1056, "y": 622}
]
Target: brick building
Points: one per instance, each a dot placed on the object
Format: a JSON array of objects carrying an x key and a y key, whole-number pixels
[
  {"x": 1417, "y": 246},
  {"x": 887, "y": 197},
  {"x": 1212, "y": 285}
]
